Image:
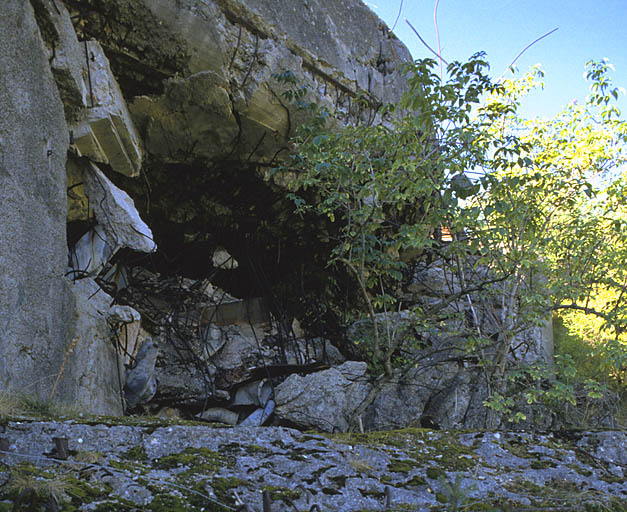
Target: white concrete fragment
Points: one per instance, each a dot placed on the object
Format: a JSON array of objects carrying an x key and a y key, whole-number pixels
[
  {"x": 123, "y": 314},
  {"x": 260, "y": 416},
  {"x": 222, "y": 259},
  {"x": 116, "y": 212},
  {"x": 90, "y": 254},
  {"x": 253, "y": 393}
]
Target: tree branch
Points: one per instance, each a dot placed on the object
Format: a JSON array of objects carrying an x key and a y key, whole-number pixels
[{"x": 425, "y": 43}]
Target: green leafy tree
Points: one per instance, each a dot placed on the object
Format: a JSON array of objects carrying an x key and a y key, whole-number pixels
[
  {"x": 536, "y": 231},
  {"x": 546, "y": 211}
]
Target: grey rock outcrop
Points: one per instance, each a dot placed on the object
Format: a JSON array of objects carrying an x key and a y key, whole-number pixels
[
  {"x": 92, "y": 373},
  {"x": 163, "y": 465},
  {"x": 324, "y": 400},
  {"x": 35, "y": 305}
]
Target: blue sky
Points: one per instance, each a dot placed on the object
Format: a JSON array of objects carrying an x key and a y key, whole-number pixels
[{"x": 586, "y": 30}]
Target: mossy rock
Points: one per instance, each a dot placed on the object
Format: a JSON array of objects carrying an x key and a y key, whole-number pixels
[{"x": 202, "y": 460}]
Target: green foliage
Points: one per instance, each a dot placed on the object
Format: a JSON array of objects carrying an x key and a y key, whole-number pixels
[
  {"x": 542, "y": 227},
  {"x": 454, "y": 494},
  {"x": 391, "y": 186}
]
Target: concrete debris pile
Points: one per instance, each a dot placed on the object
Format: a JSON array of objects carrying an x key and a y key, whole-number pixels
[{"x": 219, "y": 357}]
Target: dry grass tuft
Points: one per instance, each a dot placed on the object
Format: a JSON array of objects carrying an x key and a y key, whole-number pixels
[{"x": 27, "y": 405}]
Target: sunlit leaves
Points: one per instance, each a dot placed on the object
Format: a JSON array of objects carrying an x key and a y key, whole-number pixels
[{"x": 546, "y": 212}]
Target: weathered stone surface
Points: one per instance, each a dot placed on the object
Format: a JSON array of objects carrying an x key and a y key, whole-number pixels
[
  {"x": 402, "y": 402},
  {"x": 34, "y": 300},
  {"x": 92, "y": 372},
  {"x": 141, "y": 379},
  {"x": 496, "y": 471},
  {"x": 229, "y": 104},
  {"x": 65, "y": 54},
  {"x": 324, "y": 400}
]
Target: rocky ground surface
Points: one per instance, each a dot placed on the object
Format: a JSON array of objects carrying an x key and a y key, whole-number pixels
[{"x": 150, "y": 464}]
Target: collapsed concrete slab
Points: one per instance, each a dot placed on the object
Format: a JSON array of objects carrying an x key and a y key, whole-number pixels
[
  {"x": 105, "y": 132},
  {"x": 116, "y": 212}
]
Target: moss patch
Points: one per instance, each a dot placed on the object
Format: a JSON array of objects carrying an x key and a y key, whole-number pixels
[
  {"x": 138, "y": 453},
  {"x": 401, "y": 465},
  {"x": 223, "y": 487},
  {"x": 282, "y": 493},
  {"x": 202, "y": 460},
  {"x": 423, "y": 446}
]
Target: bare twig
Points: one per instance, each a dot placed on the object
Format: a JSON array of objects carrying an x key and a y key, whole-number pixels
[
  {"x": 425, "y": 43},
  {"x": 400, "y": 9},
  {"x": 437, "y": 35},
  {"x": 524, "y": 50},
  {"x": 371, "y": 312}
]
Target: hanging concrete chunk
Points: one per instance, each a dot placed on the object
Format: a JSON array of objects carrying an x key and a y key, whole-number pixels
[
  {"x": 105, "y": 132},
  {"x": 116, "y": 211}
]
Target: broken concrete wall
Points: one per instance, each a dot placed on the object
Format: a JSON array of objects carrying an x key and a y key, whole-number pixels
[
  {"x": 198, "y": 77},
  {"x": 198, "y": 74}
]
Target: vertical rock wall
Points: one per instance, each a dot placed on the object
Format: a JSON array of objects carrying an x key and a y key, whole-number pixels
[
  {"x": 34, "y": 305},
  {"x": 56, "y": 335}
]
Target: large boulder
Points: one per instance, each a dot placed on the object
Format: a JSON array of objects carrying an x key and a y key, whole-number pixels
[{"x": 324, "y": 400}]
